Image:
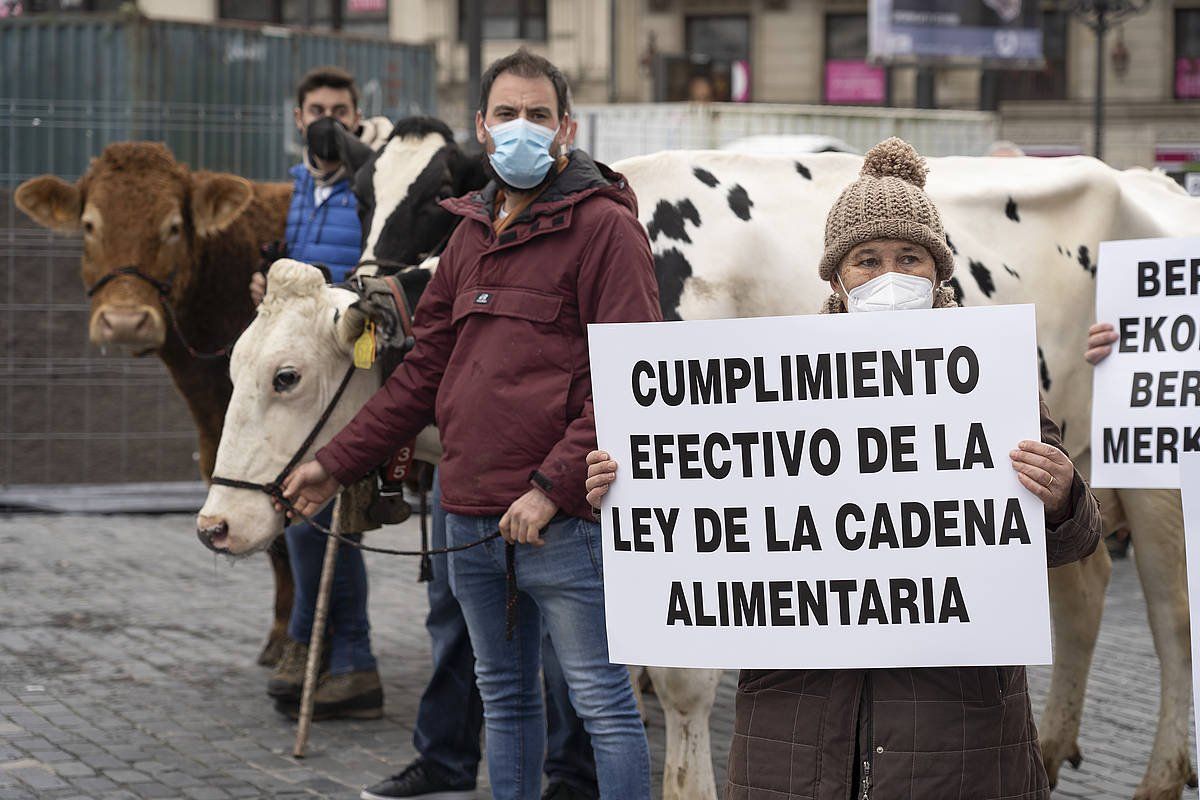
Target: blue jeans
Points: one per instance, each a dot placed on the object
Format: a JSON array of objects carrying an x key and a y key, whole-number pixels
[
  {"x": 562, "y": 584},
  {"x": 450, "y": 714},
  {"x": 569, "y": 756},
  {"x": 349, "y": 631}
]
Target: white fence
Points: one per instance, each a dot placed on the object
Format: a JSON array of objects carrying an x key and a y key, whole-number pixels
[{"x": 613, "y": 132}]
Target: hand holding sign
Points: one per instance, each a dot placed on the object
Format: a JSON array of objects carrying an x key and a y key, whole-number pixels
[
  {"x": 1048, "y": 473},
  {"x": 1101, "y": 337},
  {"x": 602, "y": 471}
]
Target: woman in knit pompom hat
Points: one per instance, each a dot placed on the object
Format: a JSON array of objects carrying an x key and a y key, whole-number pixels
[
  {"x": 885, "y": 216},
  {"x": 934, "y": 733}
]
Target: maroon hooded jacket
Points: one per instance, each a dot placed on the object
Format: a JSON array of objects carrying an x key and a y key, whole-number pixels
[{"x": 501, "y": 356}]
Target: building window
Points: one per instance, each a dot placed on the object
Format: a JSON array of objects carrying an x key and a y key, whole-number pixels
[
  {"x": 717, "y": 64},
  {"x": 508, "y": 19},
  {"x": 252, "y": 11},
  {"x": 361, "y": 17},
  {"x": 849, "y": 78},
  {"x": 1048, "y": 83},
  {"x": 1187, "y": 53}
]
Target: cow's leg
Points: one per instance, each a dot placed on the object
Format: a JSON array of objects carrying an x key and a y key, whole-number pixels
[
  {"x": 1156, "y": 519},
  {"x": 687, "y": 697},
  {"x": 285, "y": 591},
  {"x": 1076, "y": 603},
  {"x": 635, "y": 679}
]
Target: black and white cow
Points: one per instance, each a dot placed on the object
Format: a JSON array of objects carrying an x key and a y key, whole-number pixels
[{"x": 399, "y": 188}]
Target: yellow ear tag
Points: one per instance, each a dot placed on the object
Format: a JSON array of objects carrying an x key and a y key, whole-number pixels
[{"x": 364, "y": 347}]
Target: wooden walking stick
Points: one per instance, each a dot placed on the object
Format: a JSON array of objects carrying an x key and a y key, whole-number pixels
[{"x": 316, "y": 641}]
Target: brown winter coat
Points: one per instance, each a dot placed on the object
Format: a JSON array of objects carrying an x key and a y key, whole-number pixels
[
  {"x": 501, "y": 355},
  {"x": 947, "y": 733}
]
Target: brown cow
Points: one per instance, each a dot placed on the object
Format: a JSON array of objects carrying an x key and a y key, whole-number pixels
[{"x": 197, "y": 234}]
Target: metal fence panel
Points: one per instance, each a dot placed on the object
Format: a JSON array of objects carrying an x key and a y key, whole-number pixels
[
  {"x": 219, "y": 95},
  {"x": 614, "y": 132},
  {"x": 221, "y": 98}
]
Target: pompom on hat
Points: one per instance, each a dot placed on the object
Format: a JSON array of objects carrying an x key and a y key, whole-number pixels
[{"x": 888, "y": 201}]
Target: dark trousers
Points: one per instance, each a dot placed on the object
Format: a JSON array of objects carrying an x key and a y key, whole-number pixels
[
  {"x": 450, "y": 715},
  {"x": 349, "y": 630}
]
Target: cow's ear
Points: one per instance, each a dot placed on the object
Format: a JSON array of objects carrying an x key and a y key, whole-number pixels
[
  {"x": 217, "y": 200},
  {"x": 350, "y": 326},
  {"x": 51, "y": 202}
]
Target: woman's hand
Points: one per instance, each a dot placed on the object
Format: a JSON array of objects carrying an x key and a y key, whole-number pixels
[
  {"x": 1048, "y": 473},
  {"x": 602, "y": 471},
  {"x": 1101, "y": 338}
]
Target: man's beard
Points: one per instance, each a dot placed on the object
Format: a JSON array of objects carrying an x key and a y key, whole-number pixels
[{"x": 508, "y": 188}]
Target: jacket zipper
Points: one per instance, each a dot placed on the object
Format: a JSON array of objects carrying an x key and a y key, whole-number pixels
[{"x": 867, "y": 736}]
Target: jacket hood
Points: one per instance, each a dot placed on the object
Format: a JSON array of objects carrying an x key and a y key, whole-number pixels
[{"x": 581, "y": 178}]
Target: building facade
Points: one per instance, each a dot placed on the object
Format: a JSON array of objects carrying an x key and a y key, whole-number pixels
[
  {"x": 814, "y": 51},
  {"x": 789, "y": 51}
]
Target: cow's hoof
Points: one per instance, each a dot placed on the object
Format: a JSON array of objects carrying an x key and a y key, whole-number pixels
[
  {"x": 1053, "y": 755},
  {"x": 1172, "y": 792},
  {"x": 1192, "y": 782},
  {"x": 273, "y": 650},
  {"x": 1166, "y": 777}
]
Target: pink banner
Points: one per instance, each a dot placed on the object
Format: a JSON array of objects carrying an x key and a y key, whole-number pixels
[
  {"x": 1187, "y": 78},
  {"x": 366, "y": 6},
  {"x": 854, "y": 83}
]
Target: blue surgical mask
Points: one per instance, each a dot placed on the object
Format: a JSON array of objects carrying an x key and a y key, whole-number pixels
[{"x": 522, "y": 156}]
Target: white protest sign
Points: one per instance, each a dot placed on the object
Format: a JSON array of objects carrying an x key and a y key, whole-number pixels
[
  {"x": 1146, "y": 395},
  {"x": 822, "y": 491},
  {"x": 1189, "y": 483}
]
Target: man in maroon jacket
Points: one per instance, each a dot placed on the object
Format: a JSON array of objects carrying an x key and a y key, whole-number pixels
[{"x": 501, "y": 362}]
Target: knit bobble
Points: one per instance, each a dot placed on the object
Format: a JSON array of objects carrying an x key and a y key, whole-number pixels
[{"x": 896, "y": 158}]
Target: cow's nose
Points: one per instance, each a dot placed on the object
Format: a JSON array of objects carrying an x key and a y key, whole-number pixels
[
  {"x": 117, "y": 325},
  {"x": 213, "y": 534}
]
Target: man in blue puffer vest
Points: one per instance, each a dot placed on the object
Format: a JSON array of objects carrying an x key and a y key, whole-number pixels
[
  {"x": 322, "y": 222},
  {"x": 323, "y": 228}
]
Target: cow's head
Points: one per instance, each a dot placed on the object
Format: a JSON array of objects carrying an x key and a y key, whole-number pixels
[
  {"x": 399, "y": 189},
  {"x": 139, "y": 208},
  {"x": 285, "y": 370}
]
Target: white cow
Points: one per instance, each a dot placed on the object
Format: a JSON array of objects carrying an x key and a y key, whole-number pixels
[
  {"x": 735, "y": 235},
  {"x": 285, "y": 369}
]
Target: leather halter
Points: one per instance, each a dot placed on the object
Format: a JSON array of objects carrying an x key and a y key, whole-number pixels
[
  {"x": 163, "y": 288},
  {"x": 274, "y": 488}
]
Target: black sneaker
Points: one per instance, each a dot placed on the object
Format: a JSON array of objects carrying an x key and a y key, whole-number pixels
[
  {"x": 565, "y": 791},
  {"x": 422, "y": 780}
]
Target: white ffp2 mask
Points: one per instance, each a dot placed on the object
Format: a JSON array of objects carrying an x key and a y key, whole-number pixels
[{"x": 891, "y": 291}]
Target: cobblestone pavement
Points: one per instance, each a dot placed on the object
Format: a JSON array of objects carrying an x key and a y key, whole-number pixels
[{"x": 127, "y": 671}]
